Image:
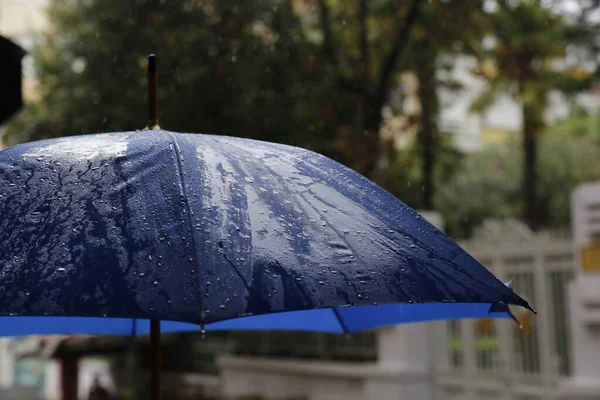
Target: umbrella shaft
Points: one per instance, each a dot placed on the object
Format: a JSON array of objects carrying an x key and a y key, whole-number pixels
[
  {"x": 155, "y": 359},
  {"x": 152, "y": 93}
]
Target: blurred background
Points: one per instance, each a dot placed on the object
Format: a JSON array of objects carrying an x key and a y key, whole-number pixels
[{"x": 483, "y": 114}]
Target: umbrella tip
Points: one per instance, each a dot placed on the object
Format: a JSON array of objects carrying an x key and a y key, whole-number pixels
[
  {"x": 152, "y": 93},
  {"x": 527, "y": 306},
  {"x": 152, "y": 62}
]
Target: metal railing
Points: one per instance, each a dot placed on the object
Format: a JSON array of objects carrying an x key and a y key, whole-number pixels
[{"x": 496, "y": 358}]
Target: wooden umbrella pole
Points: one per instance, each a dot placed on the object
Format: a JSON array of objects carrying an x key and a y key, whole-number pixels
[
  {"x": 155, "y": 359},
  {"x": 152, "y": 93},
  {"x": 132, "y": 361}
]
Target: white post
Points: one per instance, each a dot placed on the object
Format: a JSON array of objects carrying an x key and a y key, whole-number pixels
[
  {"x": 584, "y": 296},
  {"x": 406, "y": 349},
  {"x": 469, "y": 338},
  {"x": 544, "y": 320},
  {"x": 505, "y": 335},
  {"x": 6, "y": 364}
]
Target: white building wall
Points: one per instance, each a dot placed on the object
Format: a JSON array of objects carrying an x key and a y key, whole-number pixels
[{"x": 6, "y": 364}]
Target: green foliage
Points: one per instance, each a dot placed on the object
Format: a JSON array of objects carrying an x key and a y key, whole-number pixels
[
  {"x": 487, "y": 184},
  {"x": 579, "y": 124},
  {"x": 403, "y": 176},
  {"x": 530, "y": 42},
  {"x": 227, "y": 66},
  {"x": 528, "y": 39}
]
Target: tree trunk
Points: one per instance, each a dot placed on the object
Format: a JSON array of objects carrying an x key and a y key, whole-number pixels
[
  {"x": 365, "y": 145},
  {"x": 371, "y": 142},
  {"x": 359, "y": 142},
  {"x": 532, "y": 125},
  {"x": 428, "y": 130}
]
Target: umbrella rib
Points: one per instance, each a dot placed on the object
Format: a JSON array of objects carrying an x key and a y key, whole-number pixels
[
  {"x": 237, "y": 271},
  {"x": 189, "y": 220},
  {"x": 340, "y": 320}
]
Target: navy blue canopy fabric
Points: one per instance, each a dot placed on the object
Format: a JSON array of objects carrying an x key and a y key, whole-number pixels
[{"x": 207, "y": 229}]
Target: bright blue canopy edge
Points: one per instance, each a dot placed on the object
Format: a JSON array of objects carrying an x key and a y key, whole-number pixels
[{"x": 329, "y": 320}]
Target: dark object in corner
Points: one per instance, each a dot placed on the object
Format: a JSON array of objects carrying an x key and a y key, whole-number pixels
[{"x": 11, "y": 96}]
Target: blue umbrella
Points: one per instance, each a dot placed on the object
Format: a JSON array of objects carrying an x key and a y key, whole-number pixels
[
  {"x": 217, "y": 232},
  {"x": 203, "y": 228}
]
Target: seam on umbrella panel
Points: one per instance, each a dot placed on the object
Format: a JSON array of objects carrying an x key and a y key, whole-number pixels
[{"x": 190, "y": 223}]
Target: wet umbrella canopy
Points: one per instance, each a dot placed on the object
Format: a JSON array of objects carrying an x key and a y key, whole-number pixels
[{"x": 201, "y": 228}]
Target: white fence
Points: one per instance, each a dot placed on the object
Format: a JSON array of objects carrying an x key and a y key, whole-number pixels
[{"x": 494, "y": 359}]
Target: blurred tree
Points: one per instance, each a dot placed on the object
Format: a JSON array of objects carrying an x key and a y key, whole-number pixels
[
  {"x": 586, "y": 35},
  {"x": 368, "y": 45},
  {"x": 364, "y": 43},
  {"x": 438, "y": 41},
  {"x": 403, "y": 176},
  {"x": 227, "y": 66},
  {"x": 579, "y": 124},
  {"x": 527, "y": 58},
  {"x": 487, "y": 183}
]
